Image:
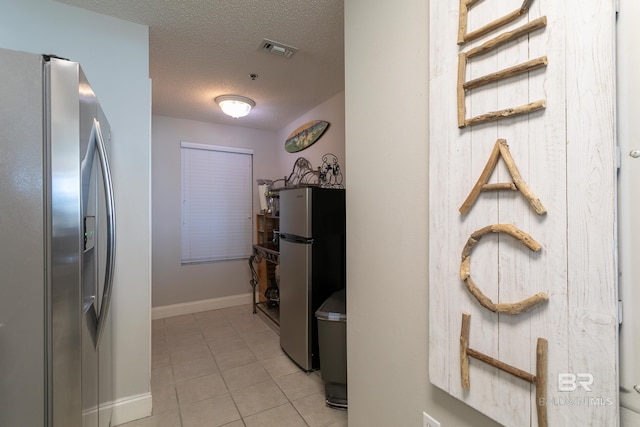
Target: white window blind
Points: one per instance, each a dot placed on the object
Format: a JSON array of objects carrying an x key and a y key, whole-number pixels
[{"x": 216, "y": 203}]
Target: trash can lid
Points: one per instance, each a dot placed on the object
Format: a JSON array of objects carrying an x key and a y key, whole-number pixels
[{"x": 334, "y": 308}]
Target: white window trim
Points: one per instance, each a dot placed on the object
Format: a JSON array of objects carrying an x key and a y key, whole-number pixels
[{"x": 200, "y": 146}]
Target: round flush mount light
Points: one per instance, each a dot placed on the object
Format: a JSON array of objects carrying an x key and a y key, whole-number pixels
[{"x": 234, "y": 105}]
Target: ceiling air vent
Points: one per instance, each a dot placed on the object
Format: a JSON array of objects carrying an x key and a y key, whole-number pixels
[{"x": 277, "y": 48}]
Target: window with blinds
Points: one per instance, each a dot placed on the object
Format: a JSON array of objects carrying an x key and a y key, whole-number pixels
[{"x": 216, "y": 203}]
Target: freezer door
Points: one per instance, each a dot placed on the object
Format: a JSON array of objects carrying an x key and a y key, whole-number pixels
[
  {"x": 295, "y": 302},
  {"x": 295, "y": 211},
  {"x": 23, "y": 303}
]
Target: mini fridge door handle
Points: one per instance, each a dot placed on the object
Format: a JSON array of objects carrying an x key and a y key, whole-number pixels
[{"x": 295, "y": 239}]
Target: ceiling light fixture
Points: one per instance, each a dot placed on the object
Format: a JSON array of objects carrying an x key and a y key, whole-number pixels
[{"x": 234, "y": 105}]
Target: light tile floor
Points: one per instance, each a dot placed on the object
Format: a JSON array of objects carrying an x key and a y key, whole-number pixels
[{"x": 226, "y": 368}]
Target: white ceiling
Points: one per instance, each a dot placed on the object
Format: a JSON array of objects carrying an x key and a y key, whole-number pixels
[{"x": 200, "y": 49}]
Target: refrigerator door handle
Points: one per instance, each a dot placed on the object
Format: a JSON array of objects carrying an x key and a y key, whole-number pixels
[
  {"x": 295, "y": 239},
  {"x": 87, "y": 303},
  {"x": 111, "y": 230}
]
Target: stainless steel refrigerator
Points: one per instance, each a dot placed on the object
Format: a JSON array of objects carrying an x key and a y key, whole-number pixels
[
  {"x": 312, "y": 265},
  {"x": 57, "y": 246}
]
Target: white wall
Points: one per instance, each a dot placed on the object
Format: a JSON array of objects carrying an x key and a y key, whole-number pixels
[
  {"x": 114, "y": 56},
  {"x": 174, "y": 283},
  {"x": 332, "y": 141},
  {"x": 387, "y": 219}
]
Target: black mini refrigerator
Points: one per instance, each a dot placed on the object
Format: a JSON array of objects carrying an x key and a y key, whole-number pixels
[{"x": 312, "y": 265}]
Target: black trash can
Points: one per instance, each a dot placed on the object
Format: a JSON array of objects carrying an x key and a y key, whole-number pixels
[{"x": 332, "y": 343}]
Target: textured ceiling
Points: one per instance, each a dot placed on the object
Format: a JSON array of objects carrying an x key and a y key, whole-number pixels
[{"x": 200, "y": 49}]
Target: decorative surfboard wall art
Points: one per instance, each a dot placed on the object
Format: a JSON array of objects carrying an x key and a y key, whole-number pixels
[
  {"x": 522, "y": 209},
  {"x": 304, "y": 136}
]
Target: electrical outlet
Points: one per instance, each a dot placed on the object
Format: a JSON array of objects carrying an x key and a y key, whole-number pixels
[{"x": 429, "y": 421}]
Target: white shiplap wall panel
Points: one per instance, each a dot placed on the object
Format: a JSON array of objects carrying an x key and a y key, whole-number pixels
[
  {"x": 516, "y": 265},
  {"x": 442, "y": 268},
  {"x": 548, "y": 180},
  {"x": 592, "y": 298},
  {"x": 565, "y": 154}
]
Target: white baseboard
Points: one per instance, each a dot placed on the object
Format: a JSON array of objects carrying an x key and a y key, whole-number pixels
[
  {"x": 198, "y": 306},
  {"x": 131, "y": 408}
]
